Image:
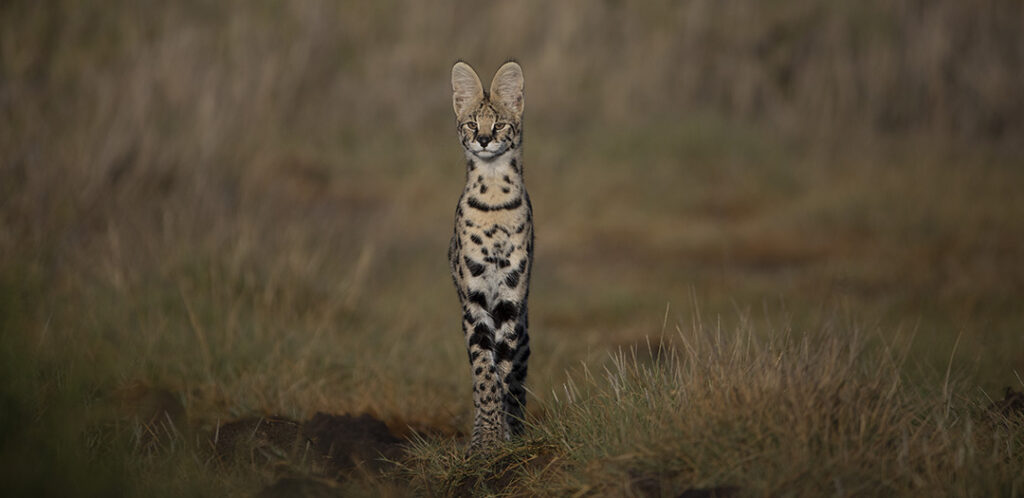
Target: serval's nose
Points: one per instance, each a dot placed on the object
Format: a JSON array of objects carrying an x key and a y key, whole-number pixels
[{"x": 483, "y": 140}]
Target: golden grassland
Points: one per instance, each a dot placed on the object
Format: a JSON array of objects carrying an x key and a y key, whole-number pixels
[{"x": 779, "y": 245}]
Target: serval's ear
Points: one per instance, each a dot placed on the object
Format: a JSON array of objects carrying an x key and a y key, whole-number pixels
[
  {"x": 507, "y": 87},
  {"x": 466, "y": 88}
]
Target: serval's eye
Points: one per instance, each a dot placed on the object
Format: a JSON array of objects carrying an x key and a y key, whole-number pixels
[
  {"x": 471, "y": 125},
  {"x": 499, "y": 126}
]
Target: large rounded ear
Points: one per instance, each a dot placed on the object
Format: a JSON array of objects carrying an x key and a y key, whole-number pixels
[
  {"x": 466, "y": 88},
  {"x": 507, "y": 87}
]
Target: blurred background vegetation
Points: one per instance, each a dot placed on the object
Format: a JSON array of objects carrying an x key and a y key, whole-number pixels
[{"x": 247, "y": 203}]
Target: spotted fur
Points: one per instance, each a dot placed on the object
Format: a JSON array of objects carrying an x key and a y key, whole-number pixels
[{"x": 491, "y": 251}]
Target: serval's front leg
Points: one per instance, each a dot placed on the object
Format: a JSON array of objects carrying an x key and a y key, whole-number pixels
[
  {"x": 510, "y": 334},
  {"x": 515, "y": 395},
  {"x": 489, "y": 424}
]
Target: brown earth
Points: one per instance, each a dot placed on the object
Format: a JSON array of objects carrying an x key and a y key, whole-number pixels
[
  {"x": 348, "y": 441},
  {"x": 310, "y": 457}
]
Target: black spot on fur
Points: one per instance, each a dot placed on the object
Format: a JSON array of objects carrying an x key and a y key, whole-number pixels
[
  {"x": 478, "y": 370},
  {"x": 469, "y": 223},
  {"x": 522, "y": 265},
  {"x": 507, "y": 180},
  {"x": 504, "y": 311},
  {"x": 476, "y": 239},
  {"x": 518, "y": 375},
  {"x": 482, "y": 337},
  {"x": 502, "y": 351},
  {"x": 483, "y": 189},
  {"x": 475, "y": 268},
  {"x": 504, "y": 190},
  {"x": 476, "y": 204},
  {"x": 478, "y": 298},
  {"x": 495, "y": 229},
  {"x": 512, "y": 279}
]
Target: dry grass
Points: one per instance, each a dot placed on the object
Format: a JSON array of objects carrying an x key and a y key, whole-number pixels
[
  {"x": 244, "y": 207},
  {"x": 761, "y": 414}
]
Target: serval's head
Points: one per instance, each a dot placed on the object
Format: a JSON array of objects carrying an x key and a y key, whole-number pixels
[{"x": 490, "y": 123}]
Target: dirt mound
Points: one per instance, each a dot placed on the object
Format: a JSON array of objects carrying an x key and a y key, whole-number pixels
[
  {"x": 347, "y": 441},
  {"x": 313, "y": 455}
]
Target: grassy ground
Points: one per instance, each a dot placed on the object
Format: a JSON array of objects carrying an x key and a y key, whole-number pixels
[{"x": 798, "y": 274}]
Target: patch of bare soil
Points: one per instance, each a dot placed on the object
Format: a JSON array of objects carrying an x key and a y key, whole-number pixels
[
  {"x": 348, "y": 441},
  {"x": 312, "y": 456}
]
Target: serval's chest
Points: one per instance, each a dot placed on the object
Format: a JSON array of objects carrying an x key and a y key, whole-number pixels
[{"x": 493, "y": 226}]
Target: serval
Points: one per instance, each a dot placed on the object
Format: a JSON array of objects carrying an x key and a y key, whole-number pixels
[{"x": 491, "y": 251}]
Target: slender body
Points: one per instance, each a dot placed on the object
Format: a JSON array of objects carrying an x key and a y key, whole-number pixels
[{"x": 491, "y": 252}]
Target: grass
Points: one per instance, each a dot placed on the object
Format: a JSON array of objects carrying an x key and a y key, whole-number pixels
[
  {"x": 214, "y": 212},
  {"x": 761, "y": 414}
]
